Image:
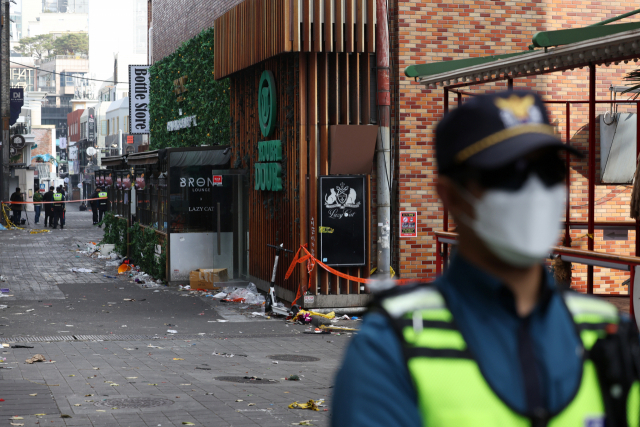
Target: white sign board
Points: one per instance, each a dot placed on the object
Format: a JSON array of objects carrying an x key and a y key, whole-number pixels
[{"x": 140, "y": 120}]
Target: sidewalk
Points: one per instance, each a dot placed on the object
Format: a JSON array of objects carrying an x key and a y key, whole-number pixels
[{"x": 103, "y": 347}]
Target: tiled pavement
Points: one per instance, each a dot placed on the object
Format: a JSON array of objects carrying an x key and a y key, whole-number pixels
[{"x": 179, "y": 373}]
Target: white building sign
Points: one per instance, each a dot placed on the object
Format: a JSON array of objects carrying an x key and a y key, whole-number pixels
[
  {"x": 185, "y": 122},
  {"x": 140, "y": 120}
]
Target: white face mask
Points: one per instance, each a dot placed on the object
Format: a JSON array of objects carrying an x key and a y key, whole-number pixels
[{"x": 519, "y": 227}]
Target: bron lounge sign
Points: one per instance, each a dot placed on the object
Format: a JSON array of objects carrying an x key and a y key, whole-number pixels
[{"x": 139, "y": 100}]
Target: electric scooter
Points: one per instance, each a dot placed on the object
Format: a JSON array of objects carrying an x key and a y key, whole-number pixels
[{"x": 271, "y": 304}]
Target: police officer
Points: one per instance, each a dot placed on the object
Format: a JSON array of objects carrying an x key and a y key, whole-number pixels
[
  {"x": 48, "y": 207},
  {"x": 94, "y": 206},
  {"x": 493, "y": 342},
  {"x": 103, "y": 203},
  {"x": 58, "y": 208}
]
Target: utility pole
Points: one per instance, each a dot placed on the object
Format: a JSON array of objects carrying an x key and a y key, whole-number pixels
[
  {"x": 5, "y": 109},
  {"x": 383, "y": 158}
]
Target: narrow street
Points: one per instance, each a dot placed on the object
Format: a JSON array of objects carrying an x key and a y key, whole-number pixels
[{"x": 109, "y": 360}]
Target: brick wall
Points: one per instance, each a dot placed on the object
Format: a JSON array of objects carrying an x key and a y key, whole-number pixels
[
  {"x": 73, "y": 125},
  {"x": 176, "y": 21},
  {"x": 432, "y": 31}
]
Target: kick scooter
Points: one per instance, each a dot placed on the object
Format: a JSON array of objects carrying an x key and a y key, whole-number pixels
[{"x": 271, "y": 303}]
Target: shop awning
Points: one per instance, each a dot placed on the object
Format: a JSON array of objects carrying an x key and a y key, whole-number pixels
[
  {"x": 614, "y": 48},
  {"x": 113, "y": 161},
  {"x": 144, "y": 158}
]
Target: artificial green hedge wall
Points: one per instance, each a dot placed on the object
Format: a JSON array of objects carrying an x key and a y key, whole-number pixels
[{"x": 205, "y": 97}]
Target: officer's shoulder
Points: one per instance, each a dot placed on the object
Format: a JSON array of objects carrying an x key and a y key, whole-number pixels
[
  {"x": 580, "y": 304},
  {"x": 399, "y": 300}
]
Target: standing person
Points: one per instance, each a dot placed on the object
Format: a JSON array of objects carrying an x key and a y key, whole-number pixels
[
  {"x": 94, "y": 205},
  {"x": 63, "y": 220},
  {"x": 493, "y": 342},
  {"x": 16, "y": 208},
  {"x": 37, "y": 197},
  {"x": 48, "y": 207},
  {"x": 103, "y": 204},
  {"x": 58, "y": 208}
]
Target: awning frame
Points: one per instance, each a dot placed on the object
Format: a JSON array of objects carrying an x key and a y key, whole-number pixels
[{"x": 617, "y": 48}]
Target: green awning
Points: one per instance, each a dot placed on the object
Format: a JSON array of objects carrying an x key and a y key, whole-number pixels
[
  {"x": 544, "y": 39},
  {"x": 434, "y": 68},
  {"x": 576, "y": 35}
]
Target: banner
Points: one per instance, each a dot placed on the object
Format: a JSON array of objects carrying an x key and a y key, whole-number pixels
[
  {"x": 108, "y": 179},
  {"x": 139, "y": 122},
  {"x": 341, "y": 226},
  {"x": 126, "y": 180},
  {"x": 91, "y": 125},
  {"x": 119, "y": 179},
  {"x": 17, "y": 101},
  {"x": 140, "y": 182}
]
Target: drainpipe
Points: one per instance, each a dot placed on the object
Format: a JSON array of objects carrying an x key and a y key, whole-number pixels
[{"x": 383, "y": 160}]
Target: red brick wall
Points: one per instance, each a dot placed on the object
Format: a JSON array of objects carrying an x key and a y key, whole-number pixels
[
  {"x": 176, "y": 21},
  {"x": 73, "y": 132},
  {"x": 432, "y": 31}
]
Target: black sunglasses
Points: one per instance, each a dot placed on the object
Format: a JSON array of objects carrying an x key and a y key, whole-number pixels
[{"x": 550, "y": 168}]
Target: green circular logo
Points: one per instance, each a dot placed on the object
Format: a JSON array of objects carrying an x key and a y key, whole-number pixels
[{"x": 267, "y": 103}]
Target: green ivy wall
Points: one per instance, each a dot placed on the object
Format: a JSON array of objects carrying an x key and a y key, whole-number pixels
[{"x": 205, "y": 97}]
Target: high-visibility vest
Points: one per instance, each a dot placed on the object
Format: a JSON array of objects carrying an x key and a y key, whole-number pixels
[
  {"x": 451, "y": 389},
  {"x": 103, "y": 199},
  {"x": 57, "y": 197}
]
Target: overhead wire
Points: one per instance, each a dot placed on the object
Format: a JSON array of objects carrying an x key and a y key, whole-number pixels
[{"x": 67, "y": 74}]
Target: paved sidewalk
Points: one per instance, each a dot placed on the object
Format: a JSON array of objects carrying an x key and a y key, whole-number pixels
[
  {"x": 181, "y": 377},
  {"x": 103, "y": 346}
]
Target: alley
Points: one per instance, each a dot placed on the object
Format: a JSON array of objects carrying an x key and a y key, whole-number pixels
[{"x": 109, "y": 360}]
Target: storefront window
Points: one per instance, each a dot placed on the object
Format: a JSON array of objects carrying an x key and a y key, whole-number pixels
[{"x": 197, "y": 188}]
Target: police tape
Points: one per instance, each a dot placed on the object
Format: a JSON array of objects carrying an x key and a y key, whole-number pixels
[
  {"x": 7, "y": 220},
  {"x": 311, "y": 263},
  {"x": 47, "y": 203}
]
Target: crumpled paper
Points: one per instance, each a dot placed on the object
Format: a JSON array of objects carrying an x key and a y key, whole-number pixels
[{"x": 314, "y": 405}]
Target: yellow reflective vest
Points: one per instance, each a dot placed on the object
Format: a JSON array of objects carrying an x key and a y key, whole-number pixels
[{"x": 451, "y": 390}]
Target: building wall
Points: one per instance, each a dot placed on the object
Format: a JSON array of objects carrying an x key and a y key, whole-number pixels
[
  {"x": 176, "y": 21},
  {"x": 431, "y": 32},
  {"x": 73, "y": 125}
]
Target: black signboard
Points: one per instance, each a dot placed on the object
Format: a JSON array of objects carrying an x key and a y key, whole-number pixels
[
  {"x": 341, "y": 226},
  {"x": 195, "y": 194},
  {"x": 91, "y": 125},
  {"x": 17, "y": 101}
]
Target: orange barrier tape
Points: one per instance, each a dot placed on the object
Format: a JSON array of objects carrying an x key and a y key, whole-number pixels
[
  {"x": 312, "y": 261},
  {"x": 37, "y": 203}
]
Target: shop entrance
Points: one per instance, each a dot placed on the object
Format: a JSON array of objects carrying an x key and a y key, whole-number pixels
[{"x": 208, "y": 216}]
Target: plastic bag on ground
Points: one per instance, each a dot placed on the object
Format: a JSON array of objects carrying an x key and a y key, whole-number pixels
[
  {"x": 254, "y": 299},
  {"x": 252, "y": 288},
  {"x": 239, "y": 295},
  {"x": 124, "y": 268}
]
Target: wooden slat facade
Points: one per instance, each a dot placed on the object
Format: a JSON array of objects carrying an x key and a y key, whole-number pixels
[
  {"x": 274, "y": 216},
  {"x": 256, "y": 30},
  {"x": 322, "y": 81}
]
